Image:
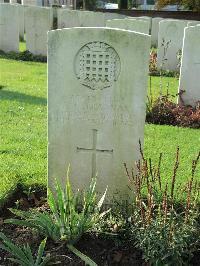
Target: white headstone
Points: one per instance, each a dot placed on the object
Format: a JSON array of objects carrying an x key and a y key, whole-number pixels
[
  {"x": 145, "y": 6},
  {"x": 190, "y": 67},
  {"x": 38, "y": 21},
  {"x": 41, "y": 3},
  {"x": 109, "y": 16},
  {"x": 154, "y": 31},
  {"x": 29, "y": 2},
  {"x": 21, "y": 20},
  {"x": 145, "y": 18},
  {"x": 129, "y": 24},
  {"x": 171, "y": 32},
  {"x": 9, "y": 28},
  {"x": 96, "y": 105},
  {"x": 77, "y": 18},
  {"x": 193, "y": 23}
]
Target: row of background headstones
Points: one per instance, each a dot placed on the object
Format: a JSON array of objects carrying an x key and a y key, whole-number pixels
[
  {"x": 38, "y": 20},
  {"x": 40, "y": 3}
]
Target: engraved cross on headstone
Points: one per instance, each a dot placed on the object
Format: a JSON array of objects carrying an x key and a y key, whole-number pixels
[{"x": 94, "y": 152}]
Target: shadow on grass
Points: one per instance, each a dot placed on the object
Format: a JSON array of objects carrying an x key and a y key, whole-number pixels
[{"x": 21, "y": 97}]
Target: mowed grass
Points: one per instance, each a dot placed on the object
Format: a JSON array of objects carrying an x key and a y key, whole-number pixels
[
  {"x": 166, "y": 139},
  {"x": 23, "y": 126},
  {"x": 23, "y": 130},
  {"x": 161, "y": 86},
  {"x": 22, "y": 46}
]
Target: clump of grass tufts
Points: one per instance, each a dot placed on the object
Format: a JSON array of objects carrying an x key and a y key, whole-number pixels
[
  {"x": 23, "y": 255},
  {"x": 66, "y": 222}
]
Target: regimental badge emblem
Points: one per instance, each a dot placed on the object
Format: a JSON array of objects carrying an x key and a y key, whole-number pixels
[{"x": 97, "y": 65}]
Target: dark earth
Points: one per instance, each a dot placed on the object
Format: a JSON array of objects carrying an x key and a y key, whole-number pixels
[{"x": 103, "y": 251}]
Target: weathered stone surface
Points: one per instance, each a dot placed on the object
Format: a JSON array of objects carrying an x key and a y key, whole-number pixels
[
  {"x": 21, "y": 19},
  {"x": 9, "y": 28},
  {"x": 96, "y": 105},
  {"x": 109, "y": 16},
  {"x": 77, "y": 18},
  {"x": 29, "y": 2},
  {"x": 41, "y": 3},
  {"x": 193, "y": 23},
  {"x": 145, "y": 18},
  {"x": 38, "y": 21},
  {"x": 154, "y": 31},
  {"x": 170, "y": 31},
  {"x": 190, "y": 67},
  {"x": 129, "y": 24}
]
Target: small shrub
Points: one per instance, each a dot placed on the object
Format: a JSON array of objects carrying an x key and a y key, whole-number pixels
[
  {"x": 153, "y": 62},
  {"x": 161, "y": 112},
  {"x": 164, "y": 112},
  {"x": 23, "y": 56},
  {"x": 166, "y": 231},
  {"x": 169, "y": 242}
]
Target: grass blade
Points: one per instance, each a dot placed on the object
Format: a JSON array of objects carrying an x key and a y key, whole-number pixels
[
  {"x": 40, "y": 252},
  {"x": 82, "y": 256}
]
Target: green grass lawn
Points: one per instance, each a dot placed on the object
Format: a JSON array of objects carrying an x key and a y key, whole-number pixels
[
  {"x": 22, "y": 46},
  {"x": 23, "y": 124},
  {"x": 23, "y": 127},
  {"x": 163, "y": 86}
]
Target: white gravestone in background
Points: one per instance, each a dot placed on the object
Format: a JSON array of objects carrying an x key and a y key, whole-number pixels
[
  {"x": 154, "y": 31},
  {"x": 170, "y": 31},
  {"x": 29, "y": 2},
  {"x": 109, "y": 16},
  {"x": 9, "y": 28},
  {"x": 145, "y": 18},
  {"x": 190, "y": 67},
  {"x": 96, "y": 105},
  {"x": 38, "y": 21},
  {"x": 21, "y": 20},
  {"x": 193, "y": 23},
  {"x": 77, "y": 18},
  {"x": 41, "y": 3},
  {"x": 129, "y": 24}
]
